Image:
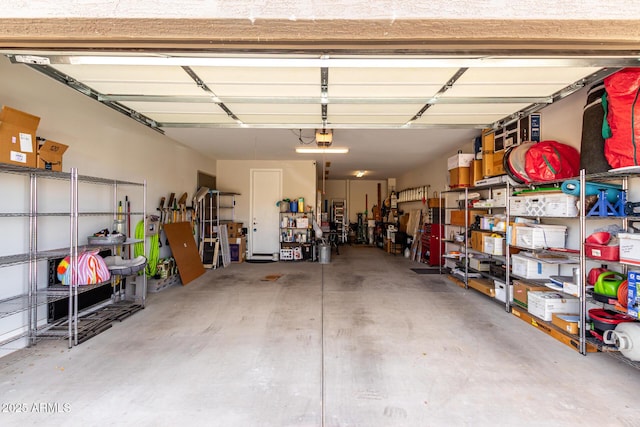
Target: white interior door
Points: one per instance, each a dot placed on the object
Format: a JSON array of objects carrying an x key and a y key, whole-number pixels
[{"x": 266, "y": 190}]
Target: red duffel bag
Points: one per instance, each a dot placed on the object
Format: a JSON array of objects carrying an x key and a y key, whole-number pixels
[
  {"x": 623, "y": 116},
  {"x": 550, "y": 161}
]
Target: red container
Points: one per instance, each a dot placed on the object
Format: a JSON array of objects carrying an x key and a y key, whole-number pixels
[
  {"x": 604, "y": 320},
  {"x": 603, "y": 252}
]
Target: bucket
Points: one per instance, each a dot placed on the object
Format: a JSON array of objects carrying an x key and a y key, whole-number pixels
[
  {"x": 325, "y": 253},
  {"x": 293, "y": 206}
]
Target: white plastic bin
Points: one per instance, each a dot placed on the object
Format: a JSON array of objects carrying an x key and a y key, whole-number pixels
[
  {"x": 540, "y": 236},
  {"x": 530, "y": 268}
]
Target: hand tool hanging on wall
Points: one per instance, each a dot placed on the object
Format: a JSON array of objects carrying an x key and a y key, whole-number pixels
[{"x": 161, "y": 220}]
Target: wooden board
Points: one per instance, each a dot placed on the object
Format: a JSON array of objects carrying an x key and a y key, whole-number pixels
[
  {"x": 184, "y": 250},
  {"x": 549, "y": 329}
]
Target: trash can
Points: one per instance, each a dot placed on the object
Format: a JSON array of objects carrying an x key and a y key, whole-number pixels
[{"x": 324, "y": 249}]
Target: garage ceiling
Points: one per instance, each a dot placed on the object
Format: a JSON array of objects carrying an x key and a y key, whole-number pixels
[{"x": 393, "y": 111}]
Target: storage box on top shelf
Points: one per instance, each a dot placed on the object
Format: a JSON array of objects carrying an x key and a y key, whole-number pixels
[
  {"x": 521, "y": 291},
  {"x": 18, "y": 144},
  {"x": 543, "y": 304},
  {"x": 50, "y": 155},
  {"x": 475, "y": 172},
  {"x": 459, "y": 177},
  {"x": 460, "y": 160}
]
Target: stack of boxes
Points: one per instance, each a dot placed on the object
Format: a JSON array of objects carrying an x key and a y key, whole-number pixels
[
  {"x": 237, "y": 241},
  {"x": 19, "y": 145},
  {"x": 459, "y": 167}
]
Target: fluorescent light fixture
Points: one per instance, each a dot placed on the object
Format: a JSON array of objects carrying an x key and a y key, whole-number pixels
[
  {"x": 332, "y": 150},
  {"x": 360, "y": 174}
]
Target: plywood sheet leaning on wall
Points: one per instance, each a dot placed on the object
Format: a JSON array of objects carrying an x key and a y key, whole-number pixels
[{"x": 184, "y": 250}]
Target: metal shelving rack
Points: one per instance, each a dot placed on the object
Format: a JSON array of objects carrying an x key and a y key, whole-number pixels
[
  {"x": 35, "y": 296},
  {"x": 339, "y": 216},
  {"x": 226, "y": 206},
  {"x": 445, "y": 210}
]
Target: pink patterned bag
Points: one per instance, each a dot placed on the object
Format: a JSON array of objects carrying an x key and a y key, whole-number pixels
[{"x": 91, "y": 269}]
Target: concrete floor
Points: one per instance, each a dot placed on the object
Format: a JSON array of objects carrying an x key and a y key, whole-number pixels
[{"x": 390, "y": 348}]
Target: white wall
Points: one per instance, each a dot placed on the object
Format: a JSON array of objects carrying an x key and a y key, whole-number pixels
[
  {"x": 101, "y": 143},
  {"x": 298, "y": 180}
]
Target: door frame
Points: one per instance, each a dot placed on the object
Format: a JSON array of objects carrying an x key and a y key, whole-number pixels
[{"x": 252, "y": 171}]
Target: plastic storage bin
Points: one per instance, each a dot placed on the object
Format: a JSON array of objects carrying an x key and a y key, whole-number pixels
[
  {"x": 629, "y": 248},
  {"x": 540, "y": 236},
  {"x": 544, "y": 304},
  {"x": 530, "y": 268}
]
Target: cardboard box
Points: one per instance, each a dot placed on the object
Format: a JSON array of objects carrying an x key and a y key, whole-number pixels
[
  {"x": 479, "y": 264},
  {"x": 238, "y": 249},
  {"x": 457, "y": 216},
  {"x": 50, "y": 155},
  {"x": 459, "y": 177},
  {"x": 302, "y": 222},
  {"x": 476, "y": 239},
  {"x": 501, "y": 291},
  {"x": 460, "y": 160},
  {"x": 543, "y": 304},
  {"x": 475, "y": 171},
  {"x": 493, "y": 245},
  {"x": 487, "y": 152},
  {"x": 18, "y": 137},
  {"x": 484, "y": 286},
  {"x": 234, "y": 229},
  {"x": 566, "y": 321},
  {"x": 563, "y": 337},
  {"x": 521, "y": 291}
]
